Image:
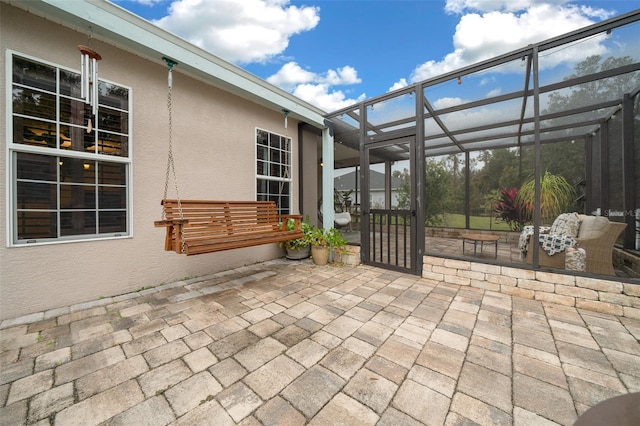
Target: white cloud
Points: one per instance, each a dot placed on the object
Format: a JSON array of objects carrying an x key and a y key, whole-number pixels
[
  {"x": 342, "y": 76},
  {"x": 399, "y": 84},
  {"x": 322, "y": 96},
  {"x": 506, "y": 25},
  {"x": 448, "y": 102},
  {"x": 460, "y": 6},
  {"x": 315, "y": 88},
  {"x": 239, "y": 31},
  {"x": 596, "y": 13},
  {"x": 487, "y": 80},
  {"x": 147, "y": 2},
  {"x": 291, "y": 75}
]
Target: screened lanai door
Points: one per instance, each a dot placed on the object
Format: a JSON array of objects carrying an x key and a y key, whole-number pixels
[{"x": 389, "y": 212}]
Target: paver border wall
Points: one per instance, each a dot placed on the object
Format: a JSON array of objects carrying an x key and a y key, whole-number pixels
[
  {"x": 594, "y": 294},
  {"x": 622, "y": 259},
  {"x": 626, "y": 261}
]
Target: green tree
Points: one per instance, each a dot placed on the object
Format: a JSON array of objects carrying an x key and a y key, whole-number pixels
[
  {"x": 567, "y": 158},
  {"x": 404, "y": 190},
  {"x": 436, "y": 194},
  {"x": 493, "y": 171},
  {"x": 437, "y": 191},
  {"x": 594, "y": 91},
  {"x": 455, "y": 166},
  {"x": 501, "y": 170}
]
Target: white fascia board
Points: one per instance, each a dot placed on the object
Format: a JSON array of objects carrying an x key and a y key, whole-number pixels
[{"x": 112, "y": 24}]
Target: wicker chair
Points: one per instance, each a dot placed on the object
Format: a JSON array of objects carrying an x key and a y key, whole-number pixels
[{"x": 599, "y": 250}]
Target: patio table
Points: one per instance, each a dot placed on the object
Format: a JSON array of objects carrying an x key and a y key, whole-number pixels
[{"x": 480, "y": 239}]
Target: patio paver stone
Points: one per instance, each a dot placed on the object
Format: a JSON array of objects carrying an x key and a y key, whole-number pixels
[{"x": 288, "y": 342}]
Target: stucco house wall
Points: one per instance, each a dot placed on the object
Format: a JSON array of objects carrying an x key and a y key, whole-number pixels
[
  {"x": 312, "y": 175},
  {"x": 214, "y": 153}
]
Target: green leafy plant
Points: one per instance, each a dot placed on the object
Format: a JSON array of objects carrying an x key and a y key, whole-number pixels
[
  {"x": 345, "y": 199},
  {"x": 319, "y": 237},
  {"x": 509, "y": 209},
  {"x": 302, "y": 242},
  {"x": 556, "y": 195},
  {"x": 335, "y": 240}
]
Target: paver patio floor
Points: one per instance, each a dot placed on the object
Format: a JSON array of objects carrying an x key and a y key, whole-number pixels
[{"x": 290, "y": 343}]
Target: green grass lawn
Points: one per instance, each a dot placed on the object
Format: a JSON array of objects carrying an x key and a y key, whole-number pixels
[
  {"x": 475, "y": 222},
  {"x": 452, "y": 220}
]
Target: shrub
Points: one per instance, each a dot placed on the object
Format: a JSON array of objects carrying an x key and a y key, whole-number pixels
[
  {"x": 302, "y": 242},
  {"x": 510, "y": 209},
  {"x": 556, "y": 195}
]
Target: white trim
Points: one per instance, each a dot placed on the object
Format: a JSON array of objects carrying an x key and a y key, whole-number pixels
[
  {"x": 288, "y": 180},
  {"x": 8, "y": 136}
]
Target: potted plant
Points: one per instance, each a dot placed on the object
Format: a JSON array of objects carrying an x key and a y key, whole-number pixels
[
  {"x": 337, "y": 243},
  {"x": 319, "y": 246},
  {"x": 300, "y": 247},
  {"x": 346, "y": 199}
]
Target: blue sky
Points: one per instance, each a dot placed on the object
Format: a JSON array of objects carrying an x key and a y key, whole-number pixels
[{"x": 333, "y": 53}]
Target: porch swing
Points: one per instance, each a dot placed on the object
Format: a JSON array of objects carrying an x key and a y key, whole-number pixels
[{"x": 205, "y": 226}]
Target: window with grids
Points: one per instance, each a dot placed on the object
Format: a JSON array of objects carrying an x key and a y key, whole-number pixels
[
  {"x": 69, "y": 179},
  {"x": 273, "y": 169}
]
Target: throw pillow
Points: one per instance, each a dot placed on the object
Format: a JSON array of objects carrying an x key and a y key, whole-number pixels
[
  {"x": 591, "y": 226},
  {"x": 566, "y": 224}
]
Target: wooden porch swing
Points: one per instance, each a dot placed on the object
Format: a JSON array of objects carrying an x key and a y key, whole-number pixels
[{"x": 204, "y": 226}]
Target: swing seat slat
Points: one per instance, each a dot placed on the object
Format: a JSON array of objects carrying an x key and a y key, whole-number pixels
[{"x": 208, "y": 226}]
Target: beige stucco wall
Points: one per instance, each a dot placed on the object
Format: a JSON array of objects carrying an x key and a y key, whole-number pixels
[{"x": 214, "y": 137}]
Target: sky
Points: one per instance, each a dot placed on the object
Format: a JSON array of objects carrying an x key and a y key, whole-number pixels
[{"x": 334, "y": 53}]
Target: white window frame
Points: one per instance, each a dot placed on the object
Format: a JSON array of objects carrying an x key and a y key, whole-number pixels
[
  {"x": 283, "y": 179},
  {"x": 11, "y": 150}
]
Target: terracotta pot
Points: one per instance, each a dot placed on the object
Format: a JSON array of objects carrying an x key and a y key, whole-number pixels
[{"x": 320, "y": 255}]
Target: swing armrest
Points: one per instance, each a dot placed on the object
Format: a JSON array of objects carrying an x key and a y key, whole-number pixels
[
  {"x": 171, "y": 222},
  {"x": 284, "y": 218},
  {"x": 173, "y": 232}
]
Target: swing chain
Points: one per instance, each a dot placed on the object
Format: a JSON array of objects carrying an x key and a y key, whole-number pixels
[{"x": 170, "y": 163}]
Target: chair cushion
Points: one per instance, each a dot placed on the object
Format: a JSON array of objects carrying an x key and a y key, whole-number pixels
[
  {"x": 591, "y": 226},
  {"x": 342, "y": 219},
  {"x": 566, "y": 224}
]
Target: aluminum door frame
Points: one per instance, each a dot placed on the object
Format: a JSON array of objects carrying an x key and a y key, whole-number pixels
[{"x": 369, "y": 231}]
